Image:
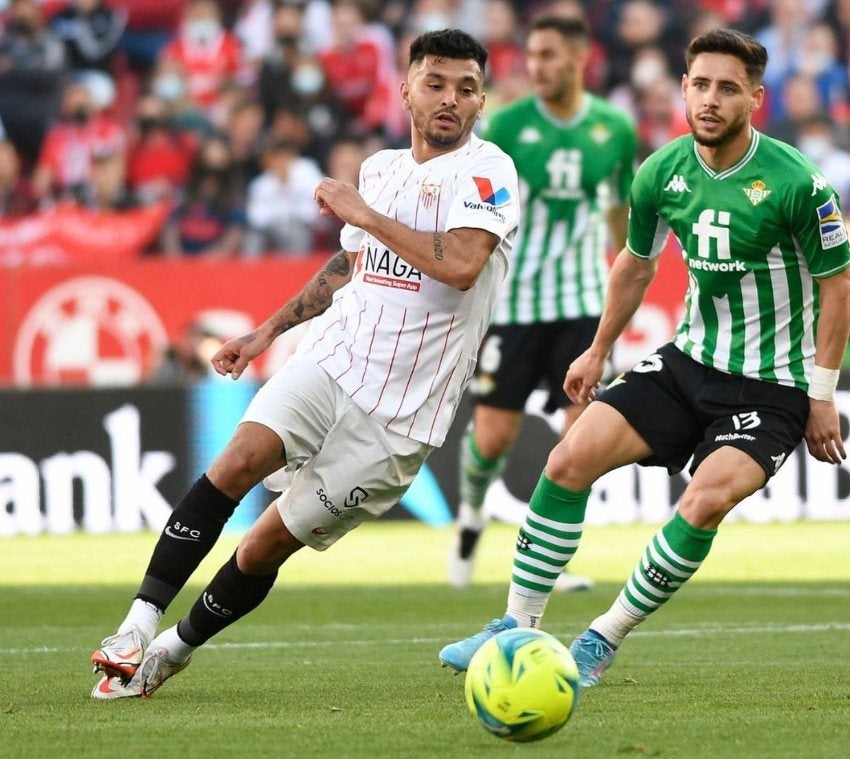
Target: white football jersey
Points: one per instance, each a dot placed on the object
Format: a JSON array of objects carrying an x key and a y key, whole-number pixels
[{"x": 401, "y": 344}]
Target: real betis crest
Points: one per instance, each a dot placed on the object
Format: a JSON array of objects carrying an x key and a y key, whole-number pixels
[
  {"x": 757, "y": 192},
  {"x": 600, "y": 134}
]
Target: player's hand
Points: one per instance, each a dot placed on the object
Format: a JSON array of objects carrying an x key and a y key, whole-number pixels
[
  {"x": 582, "y": 380},
  {"x": 234, "y": 356},
  {"x": 342, "y": 200},
  {"x": 823, "y": 432}
]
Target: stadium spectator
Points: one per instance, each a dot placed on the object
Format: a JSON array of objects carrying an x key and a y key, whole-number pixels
[
  {"x": 800, "y": 101},
  {"x": 344, "y": 160},
  {"x": 749, "y": 375},
  {"x": 502, "y": 37},
  {"x": 660, "y": 115},
  {"x": 160, "y": 154},
  {"x": 280, "y": 207},
  {"x": 90, "y": 31},
  {"x": 254, "y": 28},
  {"x": 243, "y": 127},
  {"x": 287, "y": 52},
  {"x": 106, "y": 189},
  {"x": 360, "y": 68},
  {"x": 151, "y": 24},
  {"x": 64, "y": 166},
  {"x": 819, "y": 60},
  {"x": 816, "y": 139},
  {"x": 204, "y": 51},
  {"x": 640, "y": 24},
  {"x": 782, "y": 37},
  {"x": 210, "y": 219},
  {"x": 32, "y": 65},
  {"x": 374, "y": 384},
  {"x": 16, "y": 195},
  {"x": 575, "y": 157}
]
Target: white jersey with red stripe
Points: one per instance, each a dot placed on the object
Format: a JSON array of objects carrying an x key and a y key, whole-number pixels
[{"x": 401, "y": 344}]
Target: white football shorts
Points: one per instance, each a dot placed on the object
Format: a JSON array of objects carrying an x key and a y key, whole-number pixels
[{"x": 342, "y": 467}]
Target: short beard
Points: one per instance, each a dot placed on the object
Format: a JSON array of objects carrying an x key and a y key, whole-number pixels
[{"x": 719, "y": 140}]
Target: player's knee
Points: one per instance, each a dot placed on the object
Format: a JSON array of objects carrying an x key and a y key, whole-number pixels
[
  {"x": 238, "y": 467},
  {"x": 570, "y": 466},
  {"x": 706, "y": 507}
]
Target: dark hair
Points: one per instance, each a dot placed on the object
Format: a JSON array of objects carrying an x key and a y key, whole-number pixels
[
  {"x": 568, "y": 28},
  {"x": 731, "y": 42},
  {"x": 448, "y": 43}
]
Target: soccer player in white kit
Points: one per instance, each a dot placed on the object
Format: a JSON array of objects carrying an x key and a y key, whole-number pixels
[{"x": 396, "y": 318}]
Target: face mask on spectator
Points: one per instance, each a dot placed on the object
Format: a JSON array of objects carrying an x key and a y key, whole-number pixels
[
  {"x": 307, "y": 80},
  {"x": 169, "y": 87},
  {"x": 147, "y": 124},
  {"x": 202, "y": 31},
  {"x": 80, "y": 115}
]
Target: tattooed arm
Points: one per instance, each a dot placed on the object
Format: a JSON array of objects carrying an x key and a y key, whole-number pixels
[
  {"x": 455, "y": 257},
  {"x": 314, "y": 298}
]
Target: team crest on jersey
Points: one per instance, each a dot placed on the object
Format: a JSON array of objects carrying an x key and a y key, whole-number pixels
[
  {"x": 600, "y": 134},
  {"x": 429, "y": 193},
  {"x": 757, "y": 192},
  {"x": 832, "y": 230},
  {"x": 529, "y": 135}
]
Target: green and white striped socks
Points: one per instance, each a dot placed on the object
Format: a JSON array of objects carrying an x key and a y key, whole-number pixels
[
  {"x": 477, "y": 473},
  {"x": 546, "y": 542},
  {"x": 669, "y": 560}
]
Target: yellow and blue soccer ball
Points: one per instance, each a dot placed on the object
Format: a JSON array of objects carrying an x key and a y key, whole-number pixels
[{"x": 522, "y": 685}]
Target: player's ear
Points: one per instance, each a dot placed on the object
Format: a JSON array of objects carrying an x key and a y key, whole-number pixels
[
  {"x": 684, "y": 86},
  {"x": 758, "y": 98},
  {"x": 404, "y": 89}
]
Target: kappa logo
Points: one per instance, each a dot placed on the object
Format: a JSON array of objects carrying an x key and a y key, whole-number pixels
[
  {"x": 677, "y": 184},
  {"x": 818, "y": 183},
  {"x": 488, "y": 195}
]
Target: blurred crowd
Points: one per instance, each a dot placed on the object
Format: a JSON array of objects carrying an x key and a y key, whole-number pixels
[{"x": 232, "y": 111}]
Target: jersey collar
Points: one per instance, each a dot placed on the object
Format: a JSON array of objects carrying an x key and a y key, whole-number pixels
[
  {"x": 549, "y": 116},
  {"x": 755, "y": 137}
]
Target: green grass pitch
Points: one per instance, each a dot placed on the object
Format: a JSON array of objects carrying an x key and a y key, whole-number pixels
[{"x": 751, "y": 659}]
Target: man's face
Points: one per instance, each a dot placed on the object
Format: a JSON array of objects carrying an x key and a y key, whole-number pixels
[
  {"x": 719, "y": 98},
  {"x": 445, "y": 97},
  {"x": 555, "y": 65}
]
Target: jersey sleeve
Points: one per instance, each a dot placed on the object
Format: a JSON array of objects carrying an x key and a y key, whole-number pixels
[
  {"x": 486, "y": 196},
  {"x": 818, "y": 225},
  {"x": 648, "y": 232}
]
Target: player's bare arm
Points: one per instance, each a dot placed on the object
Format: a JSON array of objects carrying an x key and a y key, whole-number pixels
[
  {"x": 630, "y": 276},
  {"x": 617, "y": 218},
  {"x": 455, "y": 257},
  {"x": 823, "y": 433},
  {"x": 314, "y": 298}
]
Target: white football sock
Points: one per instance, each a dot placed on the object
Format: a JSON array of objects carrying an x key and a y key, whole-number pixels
[{"x": 144, "y": 616}]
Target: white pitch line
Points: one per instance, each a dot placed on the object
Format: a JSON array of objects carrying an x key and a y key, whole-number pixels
[{"x": 282, "y": 644}]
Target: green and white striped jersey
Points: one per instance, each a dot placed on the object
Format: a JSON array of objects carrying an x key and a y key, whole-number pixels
[
  {"x": 570, "y": 173},
  {"x": 755, "y": 237}
]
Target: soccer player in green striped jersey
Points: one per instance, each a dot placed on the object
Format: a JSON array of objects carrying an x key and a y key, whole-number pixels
[
  {"x": 749, "y": 374},
  {"x": 575, "y": 156}
]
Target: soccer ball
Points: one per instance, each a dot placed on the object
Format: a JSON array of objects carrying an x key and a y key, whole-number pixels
[{"x": 522, "y": 685}]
